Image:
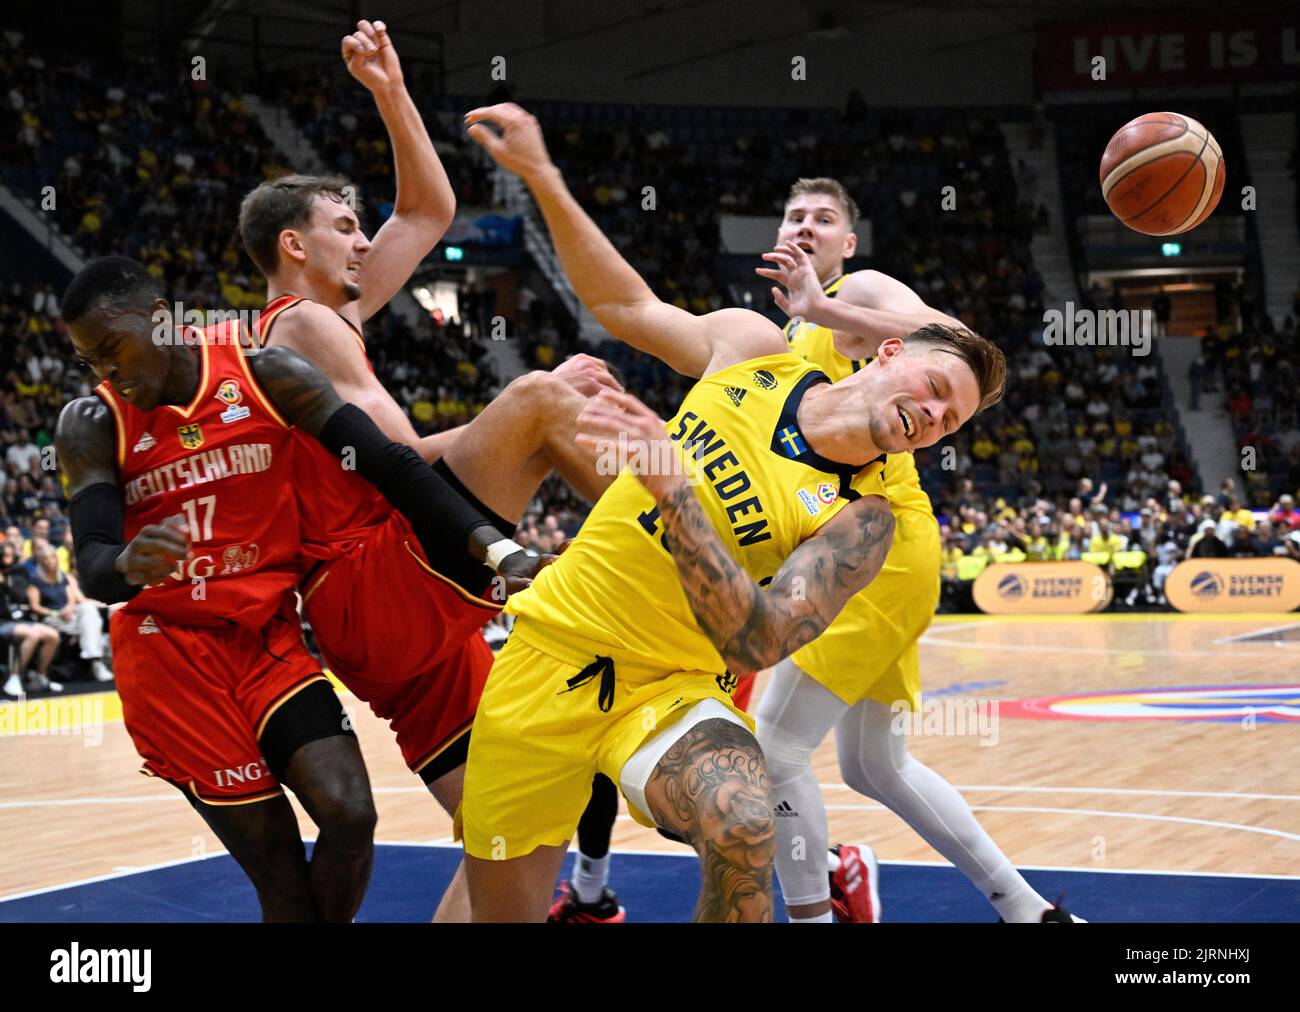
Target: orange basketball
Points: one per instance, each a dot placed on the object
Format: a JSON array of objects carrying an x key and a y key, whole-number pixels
[{"x": 1162, "y": 173}]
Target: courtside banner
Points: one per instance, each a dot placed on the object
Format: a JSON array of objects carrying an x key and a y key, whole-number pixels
[
  {"x": 1042, "y": 588},
  {"x": 1235, "y": 585}
]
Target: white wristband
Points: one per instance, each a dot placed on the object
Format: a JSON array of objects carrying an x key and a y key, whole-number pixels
[{"x": 498, "y": 550}]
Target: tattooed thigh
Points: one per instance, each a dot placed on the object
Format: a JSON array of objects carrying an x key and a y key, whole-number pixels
[{"x": 711, "y": 788}]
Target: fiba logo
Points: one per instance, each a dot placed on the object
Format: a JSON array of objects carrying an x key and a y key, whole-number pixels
[
  {"x": 1011, "y": 587},
  {"x": 1206, "y": 584}
]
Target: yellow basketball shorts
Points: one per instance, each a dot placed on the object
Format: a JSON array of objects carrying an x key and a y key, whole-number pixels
[
  {"x": 540, "y": 737},
  {"x": 870, "y": 650}
]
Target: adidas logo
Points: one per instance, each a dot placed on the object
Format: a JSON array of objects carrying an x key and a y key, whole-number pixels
[
  {"x": 736, "y": 394},
  {"x": 784, "y": 810},
  {"x": 148, "y": 626},
  {"x": 147, "y": 442}
]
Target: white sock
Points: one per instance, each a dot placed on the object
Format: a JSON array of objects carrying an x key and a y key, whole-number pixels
[
  {"x": 589, "y": 877},
  {"x": 102, "y": 673},
  {"x": 826, "y": 918},
  {"x": 1014, "y": 899},
  {"x": 832, "y": 862}
]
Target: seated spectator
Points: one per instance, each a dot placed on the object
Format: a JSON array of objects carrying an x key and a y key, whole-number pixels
[
  {"x": 1243, "y": 545},
  {"x": 1284, "y": 515},
  {"x": 1107, "y": 541},
  {"x": 33, "y": 639},
  {"x": 1267, "y": 539},
  {"x": 54, "y": 597},
  {"x": 1206, "y": 543},
  {"x": 40, "y": 532}
]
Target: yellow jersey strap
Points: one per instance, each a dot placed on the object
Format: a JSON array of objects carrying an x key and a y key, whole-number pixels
[{"x": 789, "y": 441}]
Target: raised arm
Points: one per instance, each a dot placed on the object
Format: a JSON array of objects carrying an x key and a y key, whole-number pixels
[
  {"x": 85, "y": 443},
  {"x": 751, "y": 627},
  {"x": 442, "y": 520},
  {"x": 425, "y": 203},
  {"x": 606, "y": 283},
  {"x": 868, "y": 308}
]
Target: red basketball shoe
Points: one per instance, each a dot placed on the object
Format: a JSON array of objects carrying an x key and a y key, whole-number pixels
[{"x": 855, "y": 885}]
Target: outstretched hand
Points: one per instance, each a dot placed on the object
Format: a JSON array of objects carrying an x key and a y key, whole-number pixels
[
  {"x": 794, "y": 271},
  {"x": 370, "y": 57},
  {"x": 587, "y": 374},
  {"x": 636, "y": 436},
  {"x": 516, "y": 145}
]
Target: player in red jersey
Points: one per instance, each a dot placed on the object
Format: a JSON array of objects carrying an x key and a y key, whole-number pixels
[
  {"x": 178, "y": 471},
  {"x": 403, "y": 637}
]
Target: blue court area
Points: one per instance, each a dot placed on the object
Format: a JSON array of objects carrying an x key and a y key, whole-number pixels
[{"x": 408, "y": 880}]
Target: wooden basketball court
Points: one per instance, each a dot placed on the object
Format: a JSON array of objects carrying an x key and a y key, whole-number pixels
[{"x": 1203, "y": 780}]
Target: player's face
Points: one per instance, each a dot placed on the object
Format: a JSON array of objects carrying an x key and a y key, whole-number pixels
[
  {"x": 817, "y": 223},
  {"x": 118, "y": 346},
  {"x": 335, "y": 246},
  {"x": 919, "y": 397}
]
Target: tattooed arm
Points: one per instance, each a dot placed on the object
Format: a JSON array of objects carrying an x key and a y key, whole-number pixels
[
  {"x": 752, "y": 628},
  {"x": 444, "y": 522}
]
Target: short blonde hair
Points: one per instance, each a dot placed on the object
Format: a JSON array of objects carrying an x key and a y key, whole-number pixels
[{"x": 830, "y": 187}]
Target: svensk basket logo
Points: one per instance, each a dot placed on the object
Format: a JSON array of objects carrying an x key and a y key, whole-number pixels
[
  {"x": 1011, "y": 586},
  {"x": 1206, "y": 584},
  {"x": 1263, "y": 703}
]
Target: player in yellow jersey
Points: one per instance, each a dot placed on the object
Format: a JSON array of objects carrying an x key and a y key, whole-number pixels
[
  {"x": 838, "y": 322},
  {"x": 626, "y": 649}
]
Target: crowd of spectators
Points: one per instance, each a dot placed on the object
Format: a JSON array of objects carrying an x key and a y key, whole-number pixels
[
  {"x": 1138, "y": 547},
  {"x": 1251, "y": 369},
  {"x": 41, "y": 607}
]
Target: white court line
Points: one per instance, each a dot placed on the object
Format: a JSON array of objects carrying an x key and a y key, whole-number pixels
[
  {"x": 954, "y": 626},
  {"x": 1187, "y": 820},
  {"x": 109, "y": 877},
  {"x": 1013, "y": 788},
  {"x": 1258, "y": 632},
  {"x": 1033, "y": 648},
  {"x": 1010, "y": 788}
]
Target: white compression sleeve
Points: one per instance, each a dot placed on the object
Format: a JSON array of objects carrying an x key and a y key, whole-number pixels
[{"x": 794, "y": 716}]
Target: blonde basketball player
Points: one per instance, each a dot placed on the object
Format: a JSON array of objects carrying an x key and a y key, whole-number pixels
[
  {"x": 625, "y": 651},
  {"x": 839, "y": 322}
]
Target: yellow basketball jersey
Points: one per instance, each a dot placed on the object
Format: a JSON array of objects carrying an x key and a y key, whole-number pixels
[
  {"x": 616, "y": 590},
  {"x": 817, "y": 345}
]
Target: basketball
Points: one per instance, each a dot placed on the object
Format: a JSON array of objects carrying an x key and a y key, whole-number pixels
[{"x": 1162, "y": 173}]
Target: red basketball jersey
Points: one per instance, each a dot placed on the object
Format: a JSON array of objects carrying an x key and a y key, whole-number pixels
[
  {"x": 224, "y": 462},
  {"x": 336, "y": 506}
]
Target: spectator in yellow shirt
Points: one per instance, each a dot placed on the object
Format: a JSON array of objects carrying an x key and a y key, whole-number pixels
[{"x": 1106, "y": 540}]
